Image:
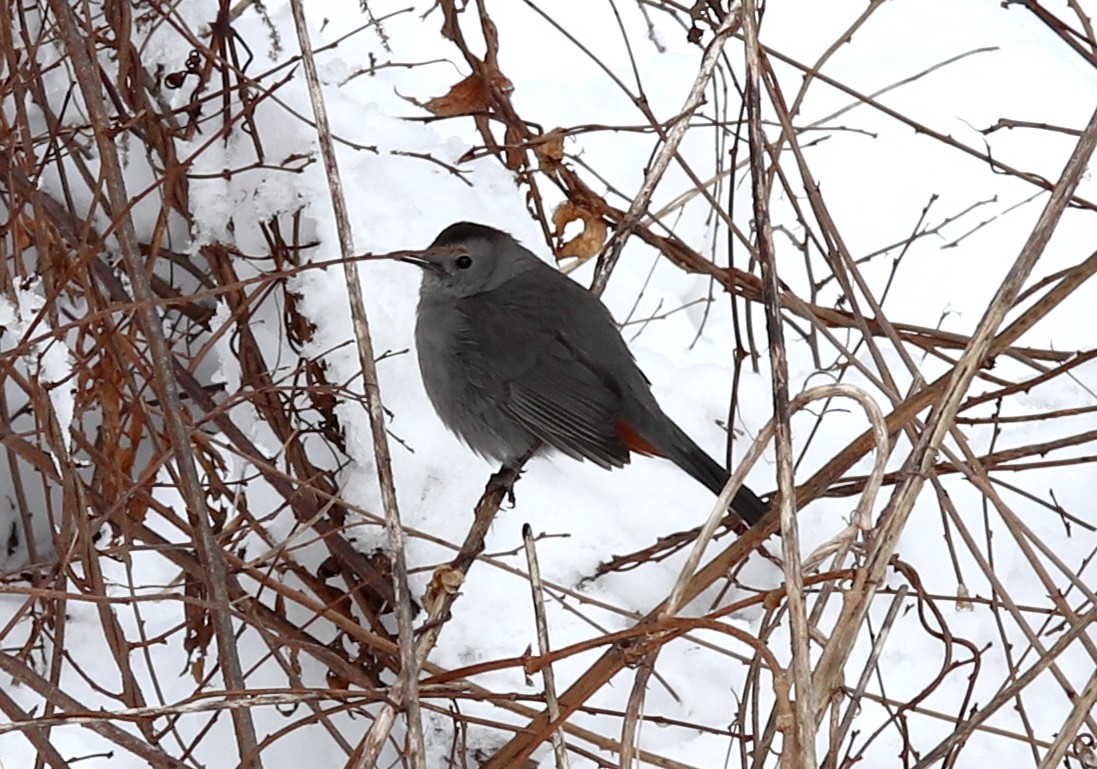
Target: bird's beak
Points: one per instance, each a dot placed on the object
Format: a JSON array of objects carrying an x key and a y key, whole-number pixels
[
  {"x": 430, "y": 259},
  {"x": 419, "y": 261}
]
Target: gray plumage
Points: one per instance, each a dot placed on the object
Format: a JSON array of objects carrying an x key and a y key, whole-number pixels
[{"x": 513, "y": 352}]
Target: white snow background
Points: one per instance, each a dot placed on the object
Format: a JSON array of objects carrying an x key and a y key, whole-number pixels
[{"x": 876, "y": 175}]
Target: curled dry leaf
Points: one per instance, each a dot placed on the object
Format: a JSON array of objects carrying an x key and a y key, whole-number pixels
[
  {"x": 587, "y": 243},
  {"x": 550, "y": 148},
  {"x": 196, "y": 617},
  {"x": 445, "y": 581}
]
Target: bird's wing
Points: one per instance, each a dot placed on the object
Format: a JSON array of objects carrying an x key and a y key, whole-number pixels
[
  {"x": 566, "y": 401},
  {"x": 541, "y": 371}
]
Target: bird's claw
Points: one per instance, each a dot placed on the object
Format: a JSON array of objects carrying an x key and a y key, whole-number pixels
[{"x": 504, "y": 479}]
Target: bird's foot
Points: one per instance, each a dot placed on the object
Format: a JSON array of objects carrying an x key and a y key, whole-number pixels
[{"x": 504, "y": 480}]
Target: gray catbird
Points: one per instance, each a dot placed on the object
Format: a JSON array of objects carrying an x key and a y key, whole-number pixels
[{"x": 513, "y": 352}]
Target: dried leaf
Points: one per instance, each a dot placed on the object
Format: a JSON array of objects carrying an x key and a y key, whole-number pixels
[
  {"x": 587, "y": 243},
  {"x": 963, "y": 599},
  {"x": 471, "y": 96},
  {"x": 515, "y": 149},
  {"x": 550, "y": 148},
  {"x": 199, "y": 623},
  {"x": 444, "y": 582},
  {"x": 198, "y": 670},
  {"x": 337, "y": 681},
  {"x": 468, "y": 97},
  {"x": 22, "y": 227}
]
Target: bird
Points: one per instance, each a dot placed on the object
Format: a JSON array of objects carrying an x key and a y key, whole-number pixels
[{"x": 514, "y": 354}]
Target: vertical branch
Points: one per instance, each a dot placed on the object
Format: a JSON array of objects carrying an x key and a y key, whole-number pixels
[
  {"x": 409, "y": 667},
  {"x": 803, "y": 754},
  {"x": 543, "y": 647}
]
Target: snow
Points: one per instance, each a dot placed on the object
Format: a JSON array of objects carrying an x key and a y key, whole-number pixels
[
  {"x": 36, "y": 354},
  {"x": 876, "y": 178}
]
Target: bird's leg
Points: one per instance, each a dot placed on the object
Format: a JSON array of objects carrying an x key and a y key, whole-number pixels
[
  {"x": 505, "y": 478},
  {"x": 511, "y": 471}
]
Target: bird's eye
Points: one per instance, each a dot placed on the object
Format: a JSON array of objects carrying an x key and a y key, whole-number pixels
[{"x": 463, "y": 262}]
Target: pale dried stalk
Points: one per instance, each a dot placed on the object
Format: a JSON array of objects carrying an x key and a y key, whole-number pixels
[
  {"x": 677, "y": 596},
  {"x": 801, "y": 752},
  {"x": 409, "y": 665},
  {"x": 861, "y": 521},
  {"x": 838, "y": 735},
  {"x": 630, "y": 729},
  {"x": 548, "y": 677},
  {"x": 473, "y": 545}
]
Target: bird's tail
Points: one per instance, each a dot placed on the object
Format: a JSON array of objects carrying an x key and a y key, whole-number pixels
[{"x": 693, "y": 459}]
